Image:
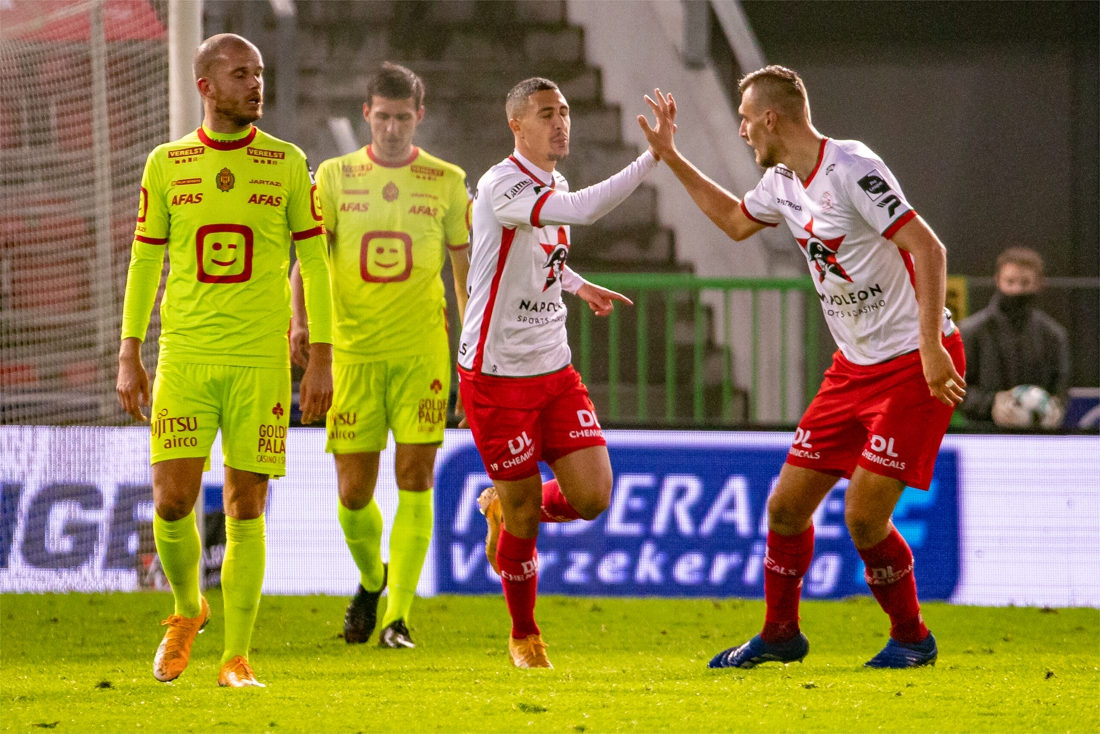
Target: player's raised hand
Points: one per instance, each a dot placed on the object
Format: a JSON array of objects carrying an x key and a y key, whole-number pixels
[
  {"x": 601, "y": 300},
  {"x": 660, "y": 136},
  {"x": 133, "y": 381},
  {"x": 299, "y": 345},
  {"x": 944, "y": 382},
  {"x": 315, "y": 391}
]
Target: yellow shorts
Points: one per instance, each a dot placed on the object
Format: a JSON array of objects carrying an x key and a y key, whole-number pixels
[
  {"x": 407, "y": 395},
  {"x": 251, "y": 405}
]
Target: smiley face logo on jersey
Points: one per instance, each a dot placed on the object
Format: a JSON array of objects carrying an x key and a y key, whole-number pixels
[
  {"x": 223, "y": 253},
  {"x": 556, "y": 255},
  {"x": 822, "y": 253},
  {"x": 385, "y": 257}
]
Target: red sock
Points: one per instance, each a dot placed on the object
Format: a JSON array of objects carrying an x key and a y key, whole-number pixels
[
  {"x": 889, "y": 573},
  {"x": 555, "y": 508},
  {"x": 519, "y": 574},
  {"x": 786, "y": 562}
]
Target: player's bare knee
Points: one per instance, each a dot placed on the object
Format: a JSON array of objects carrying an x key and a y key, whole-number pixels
[
  {"x": 786, "y": 517},
  {"x": 593, "y": 505},
  {"x": 865, "y": 530},
  {"x": 414, "y": 476},
  {"x": 355, "y": 495},
  {"x": 173, "y": 508}
]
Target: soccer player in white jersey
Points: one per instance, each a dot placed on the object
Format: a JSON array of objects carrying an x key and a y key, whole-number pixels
[
  {"x": 885, "y": 403},
  {"x": 523, "y": 399}
]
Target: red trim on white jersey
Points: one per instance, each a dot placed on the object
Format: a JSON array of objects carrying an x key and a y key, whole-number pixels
[
  {"x": 537, "y": 208},
  {"x": 901, "y": 222},
  {"x": 533, "y": 177},
  {"x": 758, "y": 221},
  {"x": 506, "y": 236},
  {"x": 820, "y": 157},
  {"x": 907, "y": 258}
]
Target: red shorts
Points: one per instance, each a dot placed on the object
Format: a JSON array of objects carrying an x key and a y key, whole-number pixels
[
  {"x": 879, "y": 416},
  {"x": 518, "y": 421}
]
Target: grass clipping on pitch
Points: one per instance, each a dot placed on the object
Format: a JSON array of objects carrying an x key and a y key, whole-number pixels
[{"x": 83, "y": 663}]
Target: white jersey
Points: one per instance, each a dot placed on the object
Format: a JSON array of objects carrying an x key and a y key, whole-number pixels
[
  {"x": 515, "y": 317},
  {"x": 843, "y": 217}
]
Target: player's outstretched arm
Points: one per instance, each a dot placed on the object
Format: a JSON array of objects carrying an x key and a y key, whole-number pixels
[
  {"x": 589, "y": 204},
  {"x": 720, "y": 206},
  {"x": 600, "y": 300},
  {"x": 299, "y": 322},
  {"x": 930, "y": 275}
]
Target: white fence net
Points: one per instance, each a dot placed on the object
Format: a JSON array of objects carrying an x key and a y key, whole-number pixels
[{"x": 83, "y": 99}]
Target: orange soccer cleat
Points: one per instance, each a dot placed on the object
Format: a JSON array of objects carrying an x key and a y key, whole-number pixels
[
  {"x": 175, "y": 649},
  {"x": 489, "y": 504},
  {"x": 237, "y": 673},
  {"x": 530, "y": 652}
]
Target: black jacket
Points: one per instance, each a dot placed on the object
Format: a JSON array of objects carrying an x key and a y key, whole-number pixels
[{"x": 1003, "y": 351}]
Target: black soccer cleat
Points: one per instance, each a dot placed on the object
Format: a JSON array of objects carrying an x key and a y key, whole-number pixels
[
  {"x": 396, "y": 636},
  {"x": 362, "y": 615},
  {"x": 899, "y": 655},
  {"x": 756, "y": 651}
]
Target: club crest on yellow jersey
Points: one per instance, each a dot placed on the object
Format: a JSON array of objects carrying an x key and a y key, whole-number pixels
[
  {"x": 390, "y": 192},
  {"x": 225, "y": 180}
]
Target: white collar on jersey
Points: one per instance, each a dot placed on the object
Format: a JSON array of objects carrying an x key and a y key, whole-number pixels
[{"x": 546, "y": 176}]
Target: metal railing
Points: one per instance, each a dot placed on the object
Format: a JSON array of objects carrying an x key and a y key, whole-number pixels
[{"x": 711, "y": 400}]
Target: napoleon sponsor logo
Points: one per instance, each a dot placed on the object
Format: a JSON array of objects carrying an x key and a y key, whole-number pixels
[
  {"x": 186, "y": 181},
  {"x": 359, "y": 169},
  {"x": 427, "y": 173},
  {"x": 354, "y": 206},
  {"x": 267, "y": 199},
  {"x": 262, "y": 182},
  {"x": 264, "y": 153},
  {"x": 791, "y": 204},
  {"x": 272, "y": 440},
  {"x": 431, "y": 412},
  {"x": 874, "y": 185},
  {"x": 167, "y": 429},
  {"x": 784, "y": 172},
  {"x": 852, "y": 299},
  {"x": 515, "y": 190},
  {"x": 541, "y": 306},
  {"x": 180, "y": 199},
  {"x": 428, "y": 211},
  {"x": 186, "y": 152}
]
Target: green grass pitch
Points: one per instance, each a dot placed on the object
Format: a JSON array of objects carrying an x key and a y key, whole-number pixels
[{"x": 82, "y": 663}]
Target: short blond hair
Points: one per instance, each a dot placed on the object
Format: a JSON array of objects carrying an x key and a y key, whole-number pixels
[{"x": 781, "y": 87}]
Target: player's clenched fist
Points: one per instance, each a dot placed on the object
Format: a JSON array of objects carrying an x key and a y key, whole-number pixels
[{"x": 133, "y": 382}]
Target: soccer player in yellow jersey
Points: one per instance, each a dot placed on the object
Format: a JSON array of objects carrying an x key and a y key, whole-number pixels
[
  {"x": 226, "y": 202},
  {"x": 391, "y": 210}
]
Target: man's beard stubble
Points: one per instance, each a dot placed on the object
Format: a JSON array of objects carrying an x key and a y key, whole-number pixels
[{"x": 239, "y": 117}]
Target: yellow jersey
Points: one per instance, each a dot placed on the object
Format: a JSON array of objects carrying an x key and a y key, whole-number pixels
[
  {"x": 388, "y": 227},
  {"x": 227, "y": 208}
]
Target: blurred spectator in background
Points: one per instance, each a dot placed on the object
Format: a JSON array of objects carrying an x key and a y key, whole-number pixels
[{"x": 1017, "y": 357}]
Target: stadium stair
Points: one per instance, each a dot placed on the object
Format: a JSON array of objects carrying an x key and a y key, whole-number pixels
[{"x": 470, "y": 53}]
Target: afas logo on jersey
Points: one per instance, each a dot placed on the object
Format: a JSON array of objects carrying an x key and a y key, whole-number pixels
[{"x": 265, "y": 199}]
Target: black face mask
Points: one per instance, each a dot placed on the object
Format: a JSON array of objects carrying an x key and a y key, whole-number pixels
[{"x": 1017, "y": 304}]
